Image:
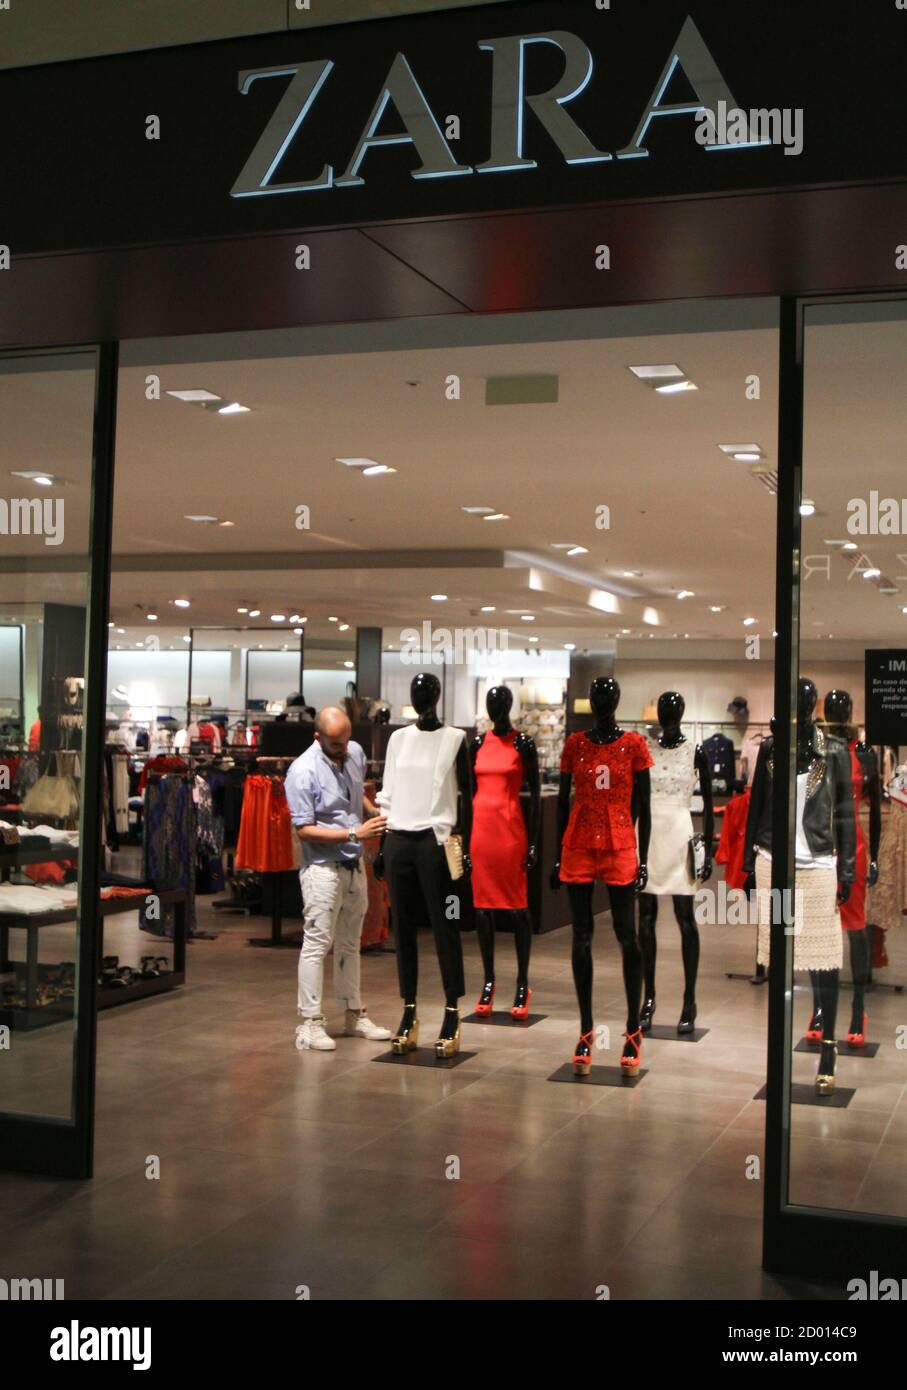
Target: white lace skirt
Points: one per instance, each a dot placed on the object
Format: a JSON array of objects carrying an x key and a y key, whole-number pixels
[{"x": 816, "y": 918}]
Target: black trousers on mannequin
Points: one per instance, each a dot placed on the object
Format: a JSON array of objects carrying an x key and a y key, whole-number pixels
[
  {"x": 826, "y": 984},
  {"x": 522, "y": 940},
  {"x": 689, "y": 941},
  {"x": 415, "y": 869},
  {"x": 860, "y": 959},
  {"x": 622, "y": 919}
]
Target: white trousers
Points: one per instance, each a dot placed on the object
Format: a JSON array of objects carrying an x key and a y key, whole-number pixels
[{"x": 335, "y": 900}]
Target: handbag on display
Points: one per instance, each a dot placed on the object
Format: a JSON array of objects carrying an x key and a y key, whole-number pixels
[
  {"x": 54, "y": 794},
  {"x": 453, "y": 849},
  {"x": 696, "y": 855}
]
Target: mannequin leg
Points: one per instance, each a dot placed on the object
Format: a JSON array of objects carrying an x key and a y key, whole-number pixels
[
  {"x": 403, "y": 888},
  {"x": 689, "y": 947},
  {"x": 622, "y": 898},
  {"x": 817, "y": 1021},
  {"x": 648, "y": 916},
  {"x": 828, "y": 984},
  {"x": 522, "y": 940},
  {"x": 859, "y": 968},
  {"x": 485, "y": 933},
  {"x": 580, "y": 895}
]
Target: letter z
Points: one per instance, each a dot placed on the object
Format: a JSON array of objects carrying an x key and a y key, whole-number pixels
[{"x": 306, "y": 82}]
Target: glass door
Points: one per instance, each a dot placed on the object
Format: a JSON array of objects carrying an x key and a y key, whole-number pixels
[{"x": 55, "y": 449}]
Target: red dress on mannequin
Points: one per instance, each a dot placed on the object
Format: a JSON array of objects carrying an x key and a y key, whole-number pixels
[
  {"x": 853, "y": 912},
  {"x": 499, "y": 841}
]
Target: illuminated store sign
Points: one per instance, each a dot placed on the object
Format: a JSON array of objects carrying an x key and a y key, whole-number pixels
[{"x": 510, "y": 102}]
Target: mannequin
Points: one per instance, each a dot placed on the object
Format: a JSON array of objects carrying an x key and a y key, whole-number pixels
[
  {"x": 425, "y": 769},
  {"x": 502, "y": 852},
  {"x": 866, "y": 786},
  {"x": 676, "y": 768},
  {"x": 596, "y": 841},
  {"x": 825, "y": 852}
]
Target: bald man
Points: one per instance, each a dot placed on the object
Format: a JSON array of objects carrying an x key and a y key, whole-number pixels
[{"x": 332, "y": 817}]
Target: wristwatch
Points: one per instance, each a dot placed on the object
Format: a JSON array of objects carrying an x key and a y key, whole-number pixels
[{"x": 352, "y": 837}]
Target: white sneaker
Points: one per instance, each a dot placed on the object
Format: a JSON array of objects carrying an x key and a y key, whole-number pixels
[
  {"x": 359, "y": 1025},
  {"x": 311, "y": 1034}
]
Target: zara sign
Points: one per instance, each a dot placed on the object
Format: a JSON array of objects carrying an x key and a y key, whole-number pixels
[{"x": 718, "y": 123}]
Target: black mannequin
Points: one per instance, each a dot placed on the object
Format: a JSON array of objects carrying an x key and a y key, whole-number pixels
[
  {"x": 671, "y": 707},
  {"x": 498, "y": 703},
  {"x": 604, "y": 696},
  {"x": 839, "y": 717},
  {"x": 425, "y": 692}
]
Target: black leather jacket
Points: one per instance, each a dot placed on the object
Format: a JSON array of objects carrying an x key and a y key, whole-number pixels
[{"x": 828, "y": 817}]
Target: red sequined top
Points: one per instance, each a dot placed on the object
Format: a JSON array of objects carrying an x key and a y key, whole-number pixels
[{"x": 603, "y": 780}]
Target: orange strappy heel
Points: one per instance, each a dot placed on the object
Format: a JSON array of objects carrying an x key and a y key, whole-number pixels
[
  {"x": 631, "y": 1063},
  {"x": 582, "y": 1054}
]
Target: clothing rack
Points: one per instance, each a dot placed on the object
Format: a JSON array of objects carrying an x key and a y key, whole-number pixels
[{"x": 274, "y": 766}]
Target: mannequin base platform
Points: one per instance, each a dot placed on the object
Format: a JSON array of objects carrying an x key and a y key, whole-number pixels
[
  {"x": 804, "y": 1093},
  {"x": 503, "y": 1019},
  {"x": 663, "y": 1032},
  {"x": 425, "y": 1057},
  {"x": 600, "y": 1076},
  {"x": 844, "y": 1049}
]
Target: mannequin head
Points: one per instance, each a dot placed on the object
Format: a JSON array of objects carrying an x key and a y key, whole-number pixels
[
  {"x": 807, "y": 697},
  {"x": 604, "y": 696},
  {"x": 499, "y": 702},
  {"x": 670, "y": 709},
  {"x": 424, "y": 693},
  {"x": 838, "y": 707}
]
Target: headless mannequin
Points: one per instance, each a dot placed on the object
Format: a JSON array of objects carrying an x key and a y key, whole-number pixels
[
  {"x": 838, "y": 717},
  {"x": 425, "y": 692},
  {"x": 671, "y": 708},
  {"x": 604, "y": 696},
  {"x": 498, "y": 703}
]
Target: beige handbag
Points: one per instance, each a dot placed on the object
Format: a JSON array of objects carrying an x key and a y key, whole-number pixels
[
  {"x": 453, "y": 849},
  {"x": 54, "y": 796}
]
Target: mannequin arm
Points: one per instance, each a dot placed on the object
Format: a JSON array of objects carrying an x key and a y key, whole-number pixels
[
  {"x": 875, "y": 817},
  {"x": 563, "y": 816},
  {"x": 708, "y": 810},
  {"x": 845, "y": 823},
  {"x": 642, "y": 789},
  {"x": 464, "y": 782},
  {"x": 760, "y": 790},
  {"x": 473, "y": 754},
  {"x": 530, "y": 757}
]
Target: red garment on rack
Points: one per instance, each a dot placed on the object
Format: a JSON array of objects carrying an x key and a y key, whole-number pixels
[
  {"x": 733, "y": 840},
  {"x": 163, "y": 763},
  {"x": 265, "y": 832}
]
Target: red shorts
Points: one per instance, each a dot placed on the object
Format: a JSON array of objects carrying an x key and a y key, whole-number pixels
[{"x": 617, "y": 866}]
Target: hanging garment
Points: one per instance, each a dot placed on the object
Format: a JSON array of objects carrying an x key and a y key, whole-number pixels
[
  {"x": 265, "y": 834},
  {"x": 886, "y": 903},
  {"x": 733, "y": 840},
  {"x": 673, "y": 777},
  {"x": 209, "y": 877},
  {"x": 853, "y": 912},
  {"x": 720, "y": 752},
  {"x": 168, "y": 847},
  {"x": 600, "y": 839},
  {"x": 499, "y": 840}
]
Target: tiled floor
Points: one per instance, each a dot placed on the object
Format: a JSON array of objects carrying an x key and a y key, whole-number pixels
[{"x": 280, "y": 1170}]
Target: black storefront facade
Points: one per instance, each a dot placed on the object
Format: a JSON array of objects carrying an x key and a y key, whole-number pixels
[{"x": 520, "y": 157}]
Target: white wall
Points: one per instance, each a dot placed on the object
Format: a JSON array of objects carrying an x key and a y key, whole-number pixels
[
  {"x": 165, "y": 676},
  {"x": 10, "y": 663}
]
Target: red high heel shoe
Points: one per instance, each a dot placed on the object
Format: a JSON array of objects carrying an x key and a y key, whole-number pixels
[
  {"x": 631, "y": 1063},
  {"x": 521, "y": 1010},
  {"x": 858, "y": 1039},
  {"x": 815, "y": 1033},
  {"x": 484, "y": 1006},
  {"x": 582, "y": 1054}
]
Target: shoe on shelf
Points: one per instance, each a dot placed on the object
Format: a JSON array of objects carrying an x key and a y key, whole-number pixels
[
  {"x": 486, "y": 1000},
  {"x": 857, "y": 1036},
  {"x": 311, "y": 1035},
  {"x": 359, "y": 1025},
  {"x": 632, "y": 1053},
  {"x": 521, "y": 1000},
  {"x": 815, "y": 1031},
  {"x": 648, "y": 1009}
]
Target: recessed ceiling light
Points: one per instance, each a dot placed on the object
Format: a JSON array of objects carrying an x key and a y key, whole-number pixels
[
  {"x": 685, "y": 593},
  {"x": 578, "y": 550},
  {"x": 121, "y": 631},
  {"x": 110, "y": 624},
  {"x": 200, "y": 518},
  {"x": 496, "y": 516},
  {"x": 625, "y": 631},
  {"x": 807, "y": 508},
  {"x": 489, "y": 608},
  {"x": 570, "y": 547},
  {"x": 533, "y": 639},
  {"x": 333, "y": 620},
  {"x": 44, "y": 481},
  {"x": 349, "y": 665},
  {"x": 37, "y": 475},
  {"x": 344, "y": 627},
  {"x": 478, "y": 511},
  {"x": 569, "y": 646},
  {"x": 242, "y": 610},
  {"x": 294, "y": 617},
  {"x": 748, "y": 622},
  {"x": 181, "y": 603},
  {"x": 376, "y": 470},
  {"x": 850, "y": 545},
  {"x": 675, "y": 387},
  {"x": 716, "y": 607},
  {"x": 439, "y": 598},
  {"x": 665, "y": 372},
  {"x": 254, "y": 612},
  {"x": 278, "y": 617},
  {"x": 527, "y": 617},
  {"x": 368, "y": 467},
  {"x": 234, "y": 408},
  {"x": 187, "y": 638},
  {"x": 194, "y": 395},
  {"x": 298, "y": 631},
  {"x": 152, "y": 617},
  {"x": 743, "y": 453},
  {"x": 871, "y": 574},
  {"x": 632, "y": 574},
  {"x": 226, "y": 523}
]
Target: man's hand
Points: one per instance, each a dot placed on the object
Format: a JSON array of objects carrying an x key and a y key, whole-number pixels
[{"x": 375, "y": 825}]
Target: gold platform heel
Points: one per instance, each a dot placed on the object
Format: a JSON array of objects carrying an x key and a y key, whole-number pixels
[
  {"x": 449, "y": 1047},
  {"x": 406, "y": 1038},
  {"x": 825, "y": 1077}
]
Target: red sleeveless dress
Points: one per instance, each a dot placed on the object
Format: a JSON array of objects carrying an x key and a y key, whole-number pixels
[{"x": 499, "y": 840}]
